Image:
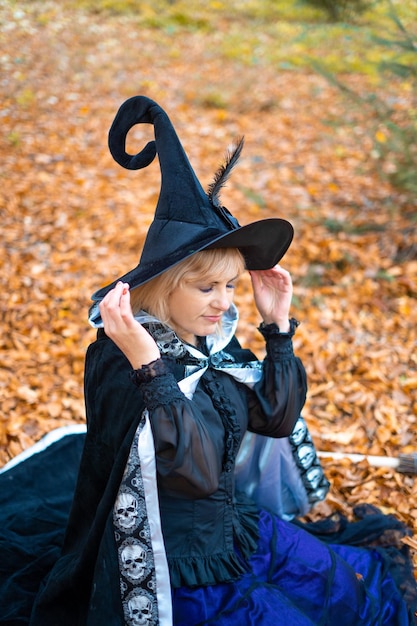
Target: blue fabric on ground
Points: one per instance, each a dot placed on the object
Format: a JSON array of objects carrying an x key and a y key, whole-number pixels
[{"x": 298, "y": 580}]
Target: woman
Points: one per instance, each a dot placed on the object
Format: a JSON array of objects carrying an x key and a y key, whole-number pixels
[
  {"x": 158, "y": 532},
  {"x": 197, "y": 437}
]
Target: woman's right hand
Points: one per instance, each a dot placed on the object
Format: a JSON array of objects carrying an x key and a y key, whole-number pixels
[{"x": 127, "y": 333}]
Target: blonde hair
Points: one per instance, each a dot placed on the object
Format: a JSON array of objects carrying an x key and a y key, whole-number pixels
[{"x": 210, "y": 264}]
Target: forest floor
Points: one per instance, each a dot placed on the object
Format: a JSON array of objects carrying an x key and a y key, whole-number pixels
[{"x": 72, "y": 220}]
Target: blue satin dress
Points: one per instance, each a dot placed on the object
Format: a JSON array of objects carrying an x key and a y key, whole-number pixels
[{"x": 296, "y": 579}]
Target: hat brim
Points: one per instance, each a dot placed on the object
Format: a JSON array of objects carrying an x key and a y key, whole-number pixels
[{"x": 262, "y": 244}]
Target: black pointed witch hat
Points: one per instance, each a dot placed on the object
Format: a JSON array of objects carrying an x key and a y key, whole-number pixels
[{"x": 187, "y": 219}]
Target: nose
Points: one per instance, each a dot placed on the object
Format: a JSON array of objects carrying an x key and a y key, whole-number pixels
[{"x": 222, "y": 300}]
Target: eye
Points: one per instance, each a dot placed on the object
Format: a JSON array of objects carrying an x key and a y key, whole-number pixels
[{"x": 206, "y": 289}]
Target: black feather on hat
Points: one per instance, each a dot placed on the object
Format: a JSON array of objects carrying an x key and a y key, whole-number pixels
[{"x": 187, "y": 219}]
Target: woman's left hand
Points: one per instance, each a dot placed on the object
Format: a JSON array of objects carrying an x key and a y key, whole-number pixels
[{"x": 273, "y": 290}]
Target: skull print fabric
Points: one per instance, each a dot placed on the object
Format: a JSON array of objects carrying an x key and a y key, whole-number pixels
[
  {"x": 134, "y": 559},
  {"x": 308, "y": 463},
  {"x": 140, "y": 609},
  {"x": 126, "y": 511},
  {"x": 135, "y": 554}
]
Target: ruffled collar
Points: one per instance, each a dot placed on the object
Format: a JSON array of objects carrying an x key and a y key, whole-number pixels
[{"x": 168, "y": 341}]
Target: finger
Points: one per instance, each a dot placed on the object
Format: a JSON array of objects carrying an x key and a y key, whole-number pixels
[
  {"x": 280, "y": 271},
  {"x": 282, "y": 274},
  {"x": 258, "y": 281},
  {"x": 254, "y": 276},
  {"x": 113, "y": 296},
  {"x": 124, "y": 293},
  {"x": 110, "y": 305},
  {"x": 125, "y": 307}
]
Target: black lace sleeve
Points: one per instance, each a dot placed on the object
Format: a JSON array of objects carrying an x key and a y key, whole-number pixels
[
  {"x": 278, "y": 345},
  {"x": 151, "y": 370},
  {"x": 276, "y": 401},
  {"x": 157, "y": 383}
]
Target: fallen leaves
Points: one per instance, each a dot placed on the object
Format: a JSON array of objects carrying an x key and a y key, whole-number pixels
[{"x": 72, "y": 221}]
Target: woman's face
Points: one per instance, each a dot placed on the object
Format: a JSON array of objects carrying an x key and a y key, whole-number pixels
[{"x": 196, "y": 306}]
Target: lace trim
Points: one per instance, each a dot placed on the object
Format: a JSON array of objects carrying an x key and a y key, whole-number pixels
[
  {"x": 278, "y": 345},
  {"x": 273, "y": 329},
  {"x": 161, "y": 391},
  {"x": 151, "y": 370}
]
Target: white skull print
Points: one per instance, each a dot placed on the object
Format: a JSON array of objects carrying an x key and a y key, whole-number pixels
[
  {"x": 140, "y": 610},
  {"x": 314, "y": 476},
  {"x": 134, "y": 561},
  {"x": 126, "y": 511},
  {"x": 298, "y": 432},
  {"x": 306, "y": 455}
]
